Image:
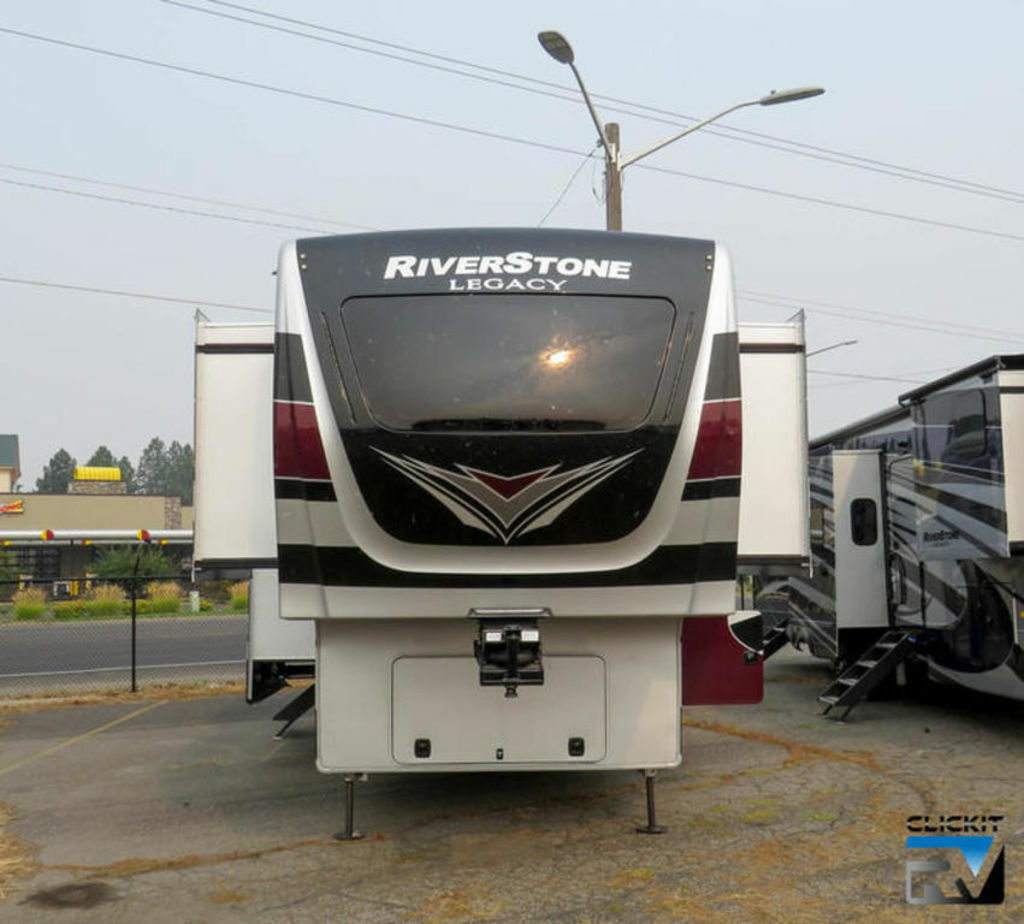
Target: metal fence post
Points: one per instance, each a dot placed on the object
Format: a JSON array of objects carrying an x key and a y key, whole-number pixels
[
  {"x": 135, "y": 688},
  {"x": 135, "y": 596}
]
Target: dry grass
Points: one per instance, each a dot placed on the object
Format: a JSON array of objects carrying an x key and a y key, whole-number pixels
[
  {"x": 798, "y": 753},
  {"x": 16, "y": 860},
  {"x": 45, "y": 701},
  {"x": 138, "y": 866}
]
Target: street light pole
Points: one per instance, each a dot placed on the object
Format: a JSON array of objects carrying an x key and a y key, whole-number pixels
[
  {"x": 556, "y": 45},
  {"x": 612, "y": 179},
  {"x": 833, "y": 346}
]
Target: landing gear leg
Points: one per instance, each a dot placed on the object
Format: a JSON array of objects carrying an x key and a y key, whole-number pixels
[
  {"x": 349, "y": 834},
  {"x": 651, "y": 827}
]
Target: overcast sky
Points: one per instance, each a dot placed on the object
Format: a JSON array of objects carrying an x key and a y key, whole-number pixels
[{"x": 922, "y": 88}]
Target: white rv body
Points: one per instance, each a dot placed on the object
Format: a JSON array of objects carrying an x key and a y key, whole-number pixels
[
  {"x": 773, "y": 532},
  {"x": 632, "y": 624},
  {"x": 235, "y": 532}
]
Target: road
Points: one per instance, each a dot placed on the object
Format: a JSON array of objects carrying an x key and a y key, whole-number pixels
[{"x": 69, "y": 655}]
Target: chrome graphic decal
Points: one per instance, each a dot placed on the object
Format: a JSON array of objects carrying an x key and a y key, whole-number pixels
[{"x": 507, "y": 506}]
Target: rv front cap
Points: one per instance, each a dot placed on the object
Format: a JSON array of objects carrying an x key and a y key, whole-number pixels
[{"x": 516, "y": 263}]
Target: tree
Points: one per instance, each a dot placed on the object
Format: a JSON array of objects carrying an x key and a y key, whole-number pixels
[
  {"x": 102, "y": 457},
  {"x": 181, "y": 472},
  {"x": 151, "y": 475},
  {"x": 166, "y": 470},
  {"x": 127, "y": 473},
  {"x": 57, "y": 474}
]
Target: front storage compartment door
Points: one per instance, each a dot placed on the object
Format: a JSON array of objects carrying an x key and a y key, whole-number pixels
[{"x": 440, "y": 700}]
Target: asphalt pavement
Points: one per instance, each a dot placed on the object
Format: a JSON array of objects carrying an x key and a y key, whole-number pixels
[
  {"x": 65, "y": 655},
  {"x": 190, "y": 811}
]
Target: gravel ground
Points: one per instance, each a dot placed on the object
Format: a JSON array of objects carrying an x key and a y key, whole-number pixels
[{"x": 188, "y": 811}]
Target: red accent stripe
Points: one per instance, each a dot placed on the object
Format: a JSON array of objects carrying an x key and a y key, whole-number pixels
[
  {"x": 719, "y": 444},
  {"x": 298, "y": 451}
]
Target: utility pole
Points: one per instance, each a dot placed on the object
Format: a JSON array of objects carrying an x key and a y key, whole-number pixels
[
  {"x": 612, "y": 179},
  {"x": 556, "y": 45}
]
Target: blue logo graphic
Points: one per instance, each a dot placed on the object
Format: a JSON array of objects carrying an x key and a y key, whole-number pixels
[{"x": 974, "y": 849}]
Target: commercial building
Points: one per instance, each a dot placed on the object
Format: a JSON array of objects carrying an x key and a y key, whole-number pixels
[{"x": 96, "y": 500}]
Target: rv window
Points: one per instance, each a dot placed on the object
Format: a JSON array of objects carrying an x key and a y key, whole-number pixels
[
  {"x": 967, "y": 428},
  {"x": 508, "y": 362},
  {"x": 817, "y": 522},
  {"x": 952, "y": 428},
  {"x": 864, "y": 521}
]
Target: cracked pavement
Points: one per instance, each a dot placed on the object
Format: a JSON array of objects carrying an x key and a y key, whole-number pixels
[{"x": 188, "y": 811}]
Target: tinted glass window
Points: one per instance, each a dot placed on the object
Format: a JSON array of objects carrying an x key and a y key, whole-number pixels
[
  {"x": 499, "y": 362},
  {"x": 864, "y": 521}
]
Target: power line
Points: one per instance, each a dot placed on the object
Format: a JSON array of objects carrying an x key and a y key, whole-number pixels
[
  {"x": 145, "y": 295},
  {"x": 873, "y": 378},
  {"x": 572, "y": 179},
  {"x": 977, "y": 334},
  {"x": 483, "y": 133},
  {"x": 784, "y": 301},
  {"x": 186, "y": 196},
  {"x": 835, "y": 203},
  {"x": 652, "y": 113},
  {"x": 153, "y": 205}
]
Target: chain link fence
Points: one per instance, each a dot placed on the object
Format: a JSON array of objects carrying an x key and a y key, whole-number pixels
[{"x": 90, "y": 635}]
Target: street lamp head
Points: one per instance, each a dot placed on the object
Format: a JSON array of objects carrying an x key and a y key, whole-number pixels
[
  {"x": 556, "y": 45},
  {"x": 789, "y": 96}
]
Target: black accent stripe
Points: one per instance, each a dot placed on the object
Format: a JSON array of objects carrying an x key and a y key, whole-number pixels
[
  {"x": 976, "y": 510},
  {"x": 771, "y": 348},
  {"x": 724, "y": 368},
  {"x": 291, "y": 378},
  {"x": 824, "y": 553},
  {"x": 297, "y": 489},
  {"x": 772, "y": 561},
  {"x": 242, "y": 348},
  {"x": 1011, "y": 389},
  {"x": 234, "y": 564},
  {"x": 711, "y": 487},
  {"x": 1017, "y": 548},
  {"x": 351, "y": 567}
]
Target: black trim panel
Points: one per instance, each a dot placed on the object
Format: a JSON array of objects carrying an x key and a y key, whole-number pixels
[
  {"x": 350, "y": 567},
  {"x": 772, "y": 561},
  {"x": 1011, "y": 389},
  {"x": 711, "y": 487},
  {"x": 291, "y": 378},
  {"x": 297, "y": 489},
  {"x": 210, "y": 564},
  {"x": 724, "y": 368},
  {"x": 772, "y": 348},
  {"x": 243, "y": 348}
]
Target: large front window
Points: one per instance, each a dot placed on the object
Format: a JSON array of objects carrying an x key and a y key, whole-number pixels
[{"x": 508, "y": 362}]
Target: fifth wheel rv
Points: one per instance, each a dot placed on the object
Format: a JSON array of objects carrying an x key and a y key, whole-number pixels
[
  {"x": 917, "y": 528},
  {"x": 508, "y": 488}
]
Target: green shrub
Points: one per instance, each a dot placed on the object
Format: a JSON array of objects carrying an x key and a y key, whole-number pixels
[
  {"x": 71, "y": 609},
  {"x": 122, "y": 562},
  {"x": 240, "y": 596},
  {"x": 29, "y": 603},
  {"x": 164, "y": 597},
  {"x": 105, "y": 600},
  {"x": 205, "y": 606},
  {"x": 218, "y": 591}
]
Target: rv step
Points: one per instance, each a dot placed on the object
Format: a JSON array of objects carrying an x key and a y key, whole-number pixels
[
  {"x": 865, "y": 674},
  {"x": 774, "y": 639}
]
